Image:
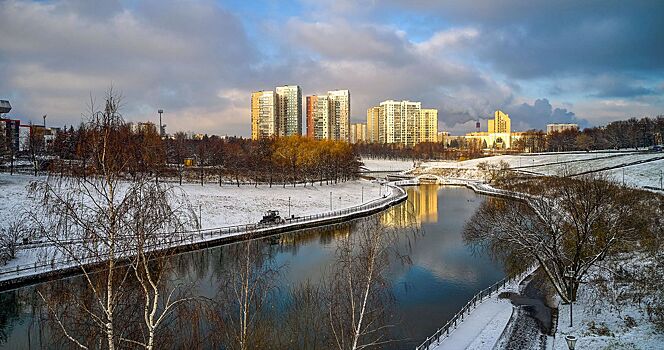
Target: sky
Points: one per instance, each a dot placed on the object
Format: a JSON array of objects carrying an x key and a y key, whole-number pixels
[{"x": 588, "y": 62}]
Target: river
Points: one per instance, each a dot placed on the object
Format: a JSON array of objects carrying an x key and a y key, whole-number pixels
[{"x": 442, "y": 273}]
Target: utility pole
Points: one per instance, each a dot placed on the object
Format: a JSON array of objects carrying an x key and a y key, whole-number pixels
[
  {"x": 330, "y": 200},
  {"x": 289, "y": 215},
  {"x": 660, "y": 180},
  {"x": 161, "y": 134},
  {"x": 362, "y": 194}
]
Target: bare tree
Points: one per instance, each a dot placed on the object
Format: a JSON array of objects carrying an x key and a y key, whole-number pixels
[
  {"x": 567, "y": 228},
  {"x": 10, "y": 239},
  {"x": 357, "y": 294},
  {"x": 241, "y": 313},
  {"x": 104, "y": 220}
]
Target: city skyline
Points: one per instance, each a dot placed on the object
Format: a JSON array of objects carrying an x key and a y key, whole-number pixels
[{"x": 199, "y": 61}]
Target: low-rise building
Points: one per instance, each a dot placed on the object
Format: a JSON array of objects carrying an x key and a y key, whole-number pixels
[{"x": 558, "y": 127}]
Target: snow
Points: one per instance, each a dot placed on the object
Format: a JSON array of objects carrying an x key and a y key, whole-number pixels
[
  {"x": 482, "y": 329},
  {"x": 219, "y": 206},
  {"x": 231, "y": 205},
  {"x": 374, "y": 164},
  {"x": 641, "y": 336},
  {"x": 224, "y": 205},
  {"x": 649, "y": 173},
  {"x": 485, "y": 325}
]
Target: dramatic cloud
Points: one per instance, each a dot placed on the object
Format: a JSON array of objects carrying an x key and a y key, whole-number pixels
[
  {"x": 579, "y": 61},
  {"x": 177, "y": 57},
  {"x": 540, "y": 113}
]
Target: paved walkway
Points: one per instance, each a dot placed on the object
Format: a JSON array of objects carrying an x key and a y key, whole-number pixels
[{"x": 482, "y": 329}]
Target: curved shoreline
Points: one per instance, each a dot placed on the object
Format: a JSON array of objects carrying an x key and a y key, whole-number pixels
[{"x": 210, "y": 238}]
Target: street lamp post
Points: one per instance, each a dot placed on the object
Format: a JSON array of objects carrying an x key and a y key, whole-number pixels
[
  {"x": 569, "y": 275},
  {"x": 160, "y": 128},
  {"x": 330, "y": 200},
  {"x": 362, "y": 194},
  {"x": 289, "y": 215}
]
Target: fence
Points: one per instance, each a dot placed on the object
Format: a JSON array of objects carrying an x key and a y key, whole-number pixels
[
  {"x": 178, "y": 239},
  {"x": 465, "y": 311}
]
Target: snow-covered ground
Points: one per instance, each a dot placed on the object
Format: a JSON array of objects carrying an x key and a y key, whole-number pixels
[
  {"x": 482, "y": 329},
  {"x": 484, "y": 326},
  {"x": 605, "y": 327},
  {"x": 649, "y": 173},
  {"x": 373, "y": 164},
  {"x": 224, "y": 205}
]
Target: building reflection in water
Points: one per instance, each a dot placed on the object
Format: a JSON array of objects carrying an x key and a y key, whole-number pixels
[{"x": 421, "y": 208}]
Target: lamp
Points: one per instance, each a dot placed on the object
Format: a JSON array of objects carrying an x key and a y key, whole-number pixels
[{"x": 571, "y": 341}]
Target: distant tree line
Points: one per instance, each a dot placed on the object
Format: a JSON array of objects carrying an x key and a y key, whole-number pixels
[
  {"x": 285, "y": 160},
  {"x": 622, "y": 134},
  {"x": 631, "y": 133},
  {"x": 422, "y": 151}
]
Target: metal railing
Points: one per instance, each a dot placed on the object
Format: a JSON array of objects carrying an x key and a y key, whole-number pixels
[
  {"x": 443, "y": 332},
  {"x": 176, "y": 239}
]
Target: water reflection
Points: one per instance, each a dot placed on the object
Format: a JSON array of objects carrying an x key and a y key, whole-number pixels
[{"x": 441, "y": 274}]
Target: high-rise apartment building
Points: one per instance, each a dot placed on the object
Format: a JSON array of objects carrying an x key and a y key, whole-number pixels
[
  {"x": 402, "y": 122},
  {"x": 358, "y": 133},
  {"x": 500, "y": 123},
  {"x": 276, "y": 113},
  {"x": 374, "y": 125},
  {"x": 323, "y": 118},
  {"x": 289, "y": 110},
  {"x": 264, "y": 122},
  {"x": 428, "y": 125},
  {"x": 310, "y": 108},
  {"x": 499, "y": 134},
  {"x": 340, "y": 111},
  {"x": 328, "y": 116}
]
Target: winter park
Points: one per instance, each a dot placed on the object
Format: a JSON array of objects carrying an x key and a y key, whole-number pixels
[{"x": 195, "y": 175}]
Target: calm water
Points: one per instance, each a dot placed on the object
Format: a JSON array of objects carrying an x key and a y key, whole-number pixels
[{"x": 443, "y": 274}]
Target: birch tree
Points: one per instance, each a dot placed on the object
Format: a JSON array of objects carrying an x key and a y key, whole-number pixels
[
  {"x": 101, "y": 223},
  {"x": 358, "y": 293}
]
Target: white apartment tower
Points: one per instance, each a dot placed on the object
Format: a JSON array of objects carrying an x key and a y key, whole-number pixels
[
  {"x": 328, "y": 116},
  {"x": 340, "y": 115},
  {"x": 402, "y": 122},
  {"x": 289, "y": 110}
]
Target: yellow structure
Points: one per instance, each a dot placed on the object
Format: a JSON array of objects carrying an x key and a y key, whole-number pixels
[
  {"x": 264, "y": 121},
  {"x": 358, "y": 133},
  {"x": 374, "y": 125},
  {"x": 500, "y": 124},
  {"x": 428, "y": 127},
  {"x": 499, "y": 133}
]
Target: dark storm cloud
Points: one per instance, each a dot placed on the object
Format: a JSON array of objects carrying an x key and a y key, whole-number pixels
[
  {"x": 185, "y": 57},
  {"x": 537, "y": 115},
  {"x": 200, "y": 60},
  {"x": 529, "y": 39}
]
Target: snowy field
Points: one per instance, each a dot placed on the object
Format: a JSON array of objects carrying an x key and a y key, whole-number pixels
[
  {"x": 372, "y": 164},
  {"x": 599, "y": 325},
  {"x": 223, "y": 205},
  {"x": 648, "y": 173}
]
